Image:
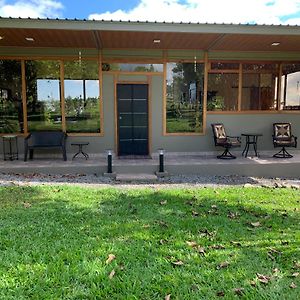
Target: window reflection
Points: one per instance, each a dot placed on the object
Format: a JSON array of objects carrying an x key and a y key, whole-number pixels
[
  {"x": 129, "y": 67},
  {"x": 222, "y": 92},
  {"x": 82, "y": 96},
  {"x": 184, "y": 111},
  {"x": 259, "y": 87},
  {"x": 43, "y": 95},
  {"x": 290, "y": 92},
  {"x": 11, "y": 108}
]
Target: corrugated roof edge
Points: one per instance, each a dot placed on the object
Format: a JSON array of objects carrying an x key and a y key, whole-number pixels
[{"x": 146, "y": 21}]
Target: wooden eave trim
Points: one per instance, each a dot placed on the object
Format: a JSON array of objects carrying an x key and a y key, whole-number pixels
[{"x": 53, "y": 24}]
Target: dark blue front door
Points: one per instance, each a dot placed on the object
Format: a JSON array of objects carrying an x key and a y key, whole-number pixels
[{"x": 132, "y": 102}]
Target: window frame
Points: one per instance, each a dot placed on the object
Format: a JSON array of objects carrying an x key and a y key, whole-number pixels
[{"x": 164, "y": 110}]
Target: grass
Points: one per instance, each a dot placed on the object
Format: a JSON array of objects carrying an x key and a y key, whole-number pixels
[{"x": 54, "y": 243}]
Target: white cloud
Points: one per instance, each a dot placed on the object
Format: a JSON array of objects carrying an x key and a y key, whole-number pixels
[
  {"x": 32, "y": 8},
  {"x": 219, "y": 11}
]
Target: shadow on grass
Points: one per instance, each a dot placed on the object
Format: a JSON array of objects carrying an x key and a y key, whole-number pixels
[{"x": 57, "y": 247}]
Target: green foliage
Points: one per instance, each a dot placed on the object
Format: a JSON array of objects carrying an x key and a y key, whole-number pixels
[{"x": 192, "y": 244}]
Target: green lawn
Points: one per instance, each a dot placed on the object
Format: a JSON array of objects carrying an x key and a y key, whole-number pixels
[{"x": 192, "y": 244}]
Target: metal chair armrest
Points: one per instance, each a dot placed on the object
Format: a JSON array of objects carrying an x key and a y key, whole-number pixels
[{"x": 234, "y": 137}]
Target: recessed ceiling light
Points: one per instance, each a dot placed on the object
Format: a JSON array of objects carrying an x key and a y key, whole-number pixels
[
  {"x": 156, "y": 41},
  {"x": 29, "y": 39},
  {"x": 275, "y": 44},
  {"x": 1, "y": 37}
]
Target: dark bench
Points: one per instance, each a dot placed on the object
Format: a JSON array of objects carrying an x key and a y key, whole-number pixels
[{"x": 45, "y": 139}]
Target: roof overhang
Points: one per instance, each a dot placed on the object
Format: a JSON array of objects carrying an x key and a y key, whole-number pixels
[{"x": 141, "y": 35}]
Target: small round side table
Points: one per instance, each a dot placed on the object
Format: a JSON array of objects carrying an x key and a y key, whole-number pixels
[
  {"x": 251, "y": 139},
  {"x": 80, "y": 151}
]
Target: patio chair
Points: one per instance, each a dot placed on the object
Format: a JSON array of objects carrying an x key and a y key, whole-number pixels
[
  {"x": 225, "y": 141},
  {"x": 282, "y": 137}
]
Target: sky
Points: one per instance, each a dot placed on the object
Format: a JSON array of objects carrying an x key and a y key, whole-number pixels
[{"x": 211, "y": 11}]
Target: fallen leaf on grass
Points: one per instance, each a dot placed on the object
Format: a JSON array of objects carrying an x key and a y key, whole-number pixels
[
  {"x": 178, "y": 263},
  {"x": 263, "y": 278},
  {"x": 223, "y": 265},
  {"x": 217, "y": 247},
  {"x": 162, "y": 242},
  {"x": 112, "y": 274},
  {"x": 146, "y": 226},
  {"x": 238, "y": 244},
  {"x": 26, "y": 204},
  {"x": 221, "y": 294},
  {"x": 162, "y": 224},
  {"x": 253, "y": 283},
  {"x": 255, "y": 224},
  {"x": 201, "y": 250},
  {"x": 233, "y": 215},
  {"x": 276, "y": 270},
  {"x": 239, "y": 291},
  {"x": 214, "y": 206},
  {"x": 191, "y": 243},
  {"x": 293, "y": 285},
  {"x": 168, "y": 297},
  {"x": 195, "y": 214},
  {"x": 163, "y": 202},
  {"x": 110, "y": 258},
  {"x": 296, "y": 265},
  {"x": 191, "y": 203},
  {"x": 296, "y": 274}
]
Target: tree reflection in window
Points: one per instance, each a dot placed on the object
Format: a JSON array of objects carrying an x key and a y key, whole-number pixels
[
  {"x": 290, "y": 83},
  {"x": 82, "y": 96},
  {"x": 184, "y": 105},
  {"x": 43, "y": 95},
  {"x": 11, "y": 108}
]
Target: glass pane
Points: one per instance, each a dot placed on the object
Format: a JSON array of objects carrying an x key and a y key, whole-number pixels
[
  {"x": 222, "y": 92},
  {"x": 290, "y": 82},
  {"x": 11, "y": 107},
  {"x": 82, "y": 96},
  {"x": 133, "y": 67},
  {"x": 259, "y": 91},
  {"x": 224, "y": 66},
  {"x": 185, "y": 82},
  {"x": 43, "y": 95}
]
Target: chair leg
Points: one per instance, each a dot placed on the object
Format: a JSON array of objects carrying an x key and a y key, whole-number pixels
[
  {"x": 25, "y": 153},
  {"x": 30, "y": 153},
  {"x": 226, "y": 155},
  {"x": 283, "y": 154}
]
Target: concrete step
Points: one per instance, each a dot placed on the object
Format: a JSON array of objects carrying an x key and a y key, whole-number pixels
[{"x": 136, "y": 177}]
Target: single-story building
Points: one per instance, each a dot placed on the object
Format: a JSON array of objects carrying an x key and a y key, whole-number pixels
[{"x": 135, "y": 87}]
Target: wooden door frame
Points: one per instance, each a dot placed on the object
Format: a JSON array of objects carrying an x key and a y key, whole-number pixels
[{"x": 148, "y": 83}]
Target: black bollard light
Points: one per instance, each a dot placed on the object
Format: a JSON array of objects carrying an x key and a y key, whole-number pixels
[
  {"x": 109, "y": 161},
  {"x": 161, "y": 160}
]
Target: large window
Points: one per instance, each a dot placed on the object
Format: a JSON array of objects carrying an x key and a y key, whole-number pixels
[
  {"x": 290, "y": 87},
  {"x": 11, "y": 109},
  {"x": 132, "y": 67},
  {"x": 82, "y": 96},
  {"x": 222, "y": 92},
  {"x": 259, "y": 87},
  {"x": 43, "y": 95},
  {"x": 184, "y": 105}
]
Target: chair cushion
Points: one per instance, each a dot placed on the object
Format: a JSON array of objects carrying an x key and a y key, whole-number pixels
[
  {"x": 290, "y": 142},
  {"x": 282, "y": 131},
  {"x": 219, "y": 131}
]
